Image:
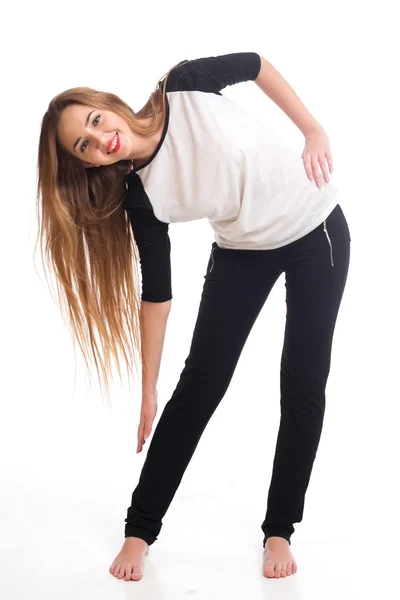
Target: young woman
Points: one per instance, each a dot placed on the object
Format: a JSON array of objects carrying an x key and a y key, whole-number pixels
[{"x": 106, "y": 172}]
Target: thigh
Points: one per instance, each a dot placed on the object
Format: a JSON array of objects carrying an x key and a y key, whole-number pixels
[
  {"x": 314, "y": 290},
  {"x": 234, "y": 291}
]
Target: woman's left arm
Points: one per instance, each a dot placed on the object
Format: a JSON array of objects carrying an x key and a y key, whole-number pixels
[{"x": 317, "y": 147}]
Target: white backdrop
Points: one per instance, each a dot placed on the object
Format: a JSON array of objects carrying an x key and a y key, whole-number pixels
[{"x": 68, "y": 463}]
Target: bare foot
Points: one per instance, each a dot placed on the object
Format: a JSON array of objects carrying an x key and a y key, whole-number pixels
[
  {"x": 278, "y": 559},
  {"x": 129, "y": 563}
]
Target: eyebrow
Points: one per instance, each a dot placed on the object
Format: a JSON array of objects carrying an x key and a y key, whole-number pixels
[{"x": 86, "y": 122}]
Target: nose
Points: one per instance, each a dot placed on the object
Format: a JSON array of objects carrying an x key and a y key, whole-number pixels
[{"x": 98, "y": 139}]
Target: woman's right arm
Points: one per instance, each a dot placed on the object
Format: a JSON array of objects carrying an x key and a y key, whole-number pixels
[
  {"x": 153, "y": 325},
  {"x": 152, "y": 239}
]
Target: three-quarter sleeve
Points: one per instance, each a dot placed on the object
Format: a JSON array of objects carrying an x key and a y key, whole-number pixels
[
  {"x": 214, "y": 73},
  {"x": 154, "y": 246}
]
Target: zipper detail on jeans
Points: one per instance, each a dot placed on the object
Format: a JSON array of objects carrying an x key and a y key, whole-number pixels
[
  {"x": 330, "y": 243},
  {"x": 212, "y": 259}
]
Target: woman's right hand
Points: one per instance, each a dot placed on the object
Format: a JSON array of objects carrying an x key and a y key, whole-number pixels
[{"x": 147, "y": 416}]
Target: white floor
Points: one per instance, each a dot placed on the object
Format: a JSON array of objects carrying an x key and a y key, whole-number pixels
[
  {"x": 66, "y": 484},
  {"x": 59, "y": 539}
]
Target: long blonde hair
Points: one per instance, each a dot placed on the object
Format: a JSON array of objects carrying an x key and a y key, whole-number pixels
[{"x": 88, "y": 239}]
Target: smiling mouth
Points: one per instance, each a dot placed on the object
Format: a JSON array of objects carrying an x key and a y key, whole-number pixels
[{"x": 114, "y": 143}]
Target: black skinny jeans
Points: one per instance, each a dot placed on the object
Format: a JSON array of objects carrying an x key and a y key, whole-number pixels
[{"x": 237, "y": 284}]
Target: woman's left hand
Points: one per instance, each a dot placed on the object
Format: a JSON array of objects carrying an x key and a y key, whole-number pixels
[{"x": 316, "y": 151}]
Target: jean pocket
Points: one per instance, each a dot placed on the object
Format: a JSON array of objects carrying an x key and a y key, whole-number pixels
[
  {"x": 329, "y": 242},
  {"x": 211, "y": 261}
]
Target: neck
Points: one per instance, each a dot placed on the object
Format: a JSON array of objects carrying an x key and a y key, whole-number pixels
[{"x": 149, "y": 144}]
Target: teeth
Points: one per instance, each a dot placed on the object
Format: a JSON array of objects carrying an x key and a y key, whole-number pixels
[{"x": 114, "y": 143}]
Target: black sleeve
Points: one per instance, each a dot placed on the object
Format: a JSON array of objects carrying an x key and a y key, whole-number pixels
[
  {"x": 154, "y": 246},
  {"x": 214, "y": 73}
]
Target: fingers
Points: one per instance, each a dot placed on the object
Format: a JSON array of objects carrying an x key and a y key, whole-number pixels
[
  {"x": 330, "y": 161},
  {"x": 140, "y": 436},
  {"x": 307, "y": 166},
  {"x": 317, "y": 176},
  {"x": 323, "y": 168},
  {"x": 311, "y": 165},
  {"x": 145, "y": 427},
  {"x": 140, "y": 446}
]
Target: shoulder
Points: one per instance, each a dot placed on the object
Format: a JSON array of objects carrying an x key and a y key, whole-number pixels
[{"x": 213, "y": 73}]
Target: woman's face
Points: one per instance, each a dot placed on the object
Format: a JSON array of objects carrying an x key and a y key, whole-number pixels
[{"x": 85, "y": 132}]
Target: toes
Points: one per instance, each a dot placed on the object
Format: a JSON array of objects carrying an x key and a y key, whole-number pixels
[
  {"x": 269, "y": 569},
  {"x": 128, "y": 572},
  {"x": 281, "y": 570},
  {"x": 137, "y": 572}
]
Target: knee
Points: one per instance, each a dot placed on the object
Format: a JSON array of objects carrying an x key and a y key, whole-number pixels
[{"x": 302, "y": 393}]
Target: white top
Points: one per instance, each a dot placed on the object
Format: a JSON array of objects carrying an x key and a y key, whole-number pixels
[{"x": 217, "y": 161}]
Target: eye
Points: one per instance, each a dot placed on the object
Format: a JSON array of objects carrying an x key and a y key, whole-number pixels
[{"x": 83, "y": 147}]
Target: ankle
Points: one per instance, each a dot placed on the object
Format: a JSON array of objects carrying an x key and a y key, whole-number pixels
[
  {"x": 276, "y": 539},
  {"x": 135, "y": 540}
]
